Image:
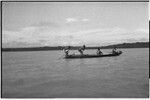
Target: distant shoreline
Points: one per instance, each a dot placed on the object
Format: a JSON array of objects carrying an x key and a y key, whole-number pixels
[{"x": 123, "y": 45}]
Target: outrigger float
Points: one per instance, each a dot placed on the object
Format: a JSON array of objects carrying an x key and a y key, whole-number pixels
[{"x": 92, "y": 56}]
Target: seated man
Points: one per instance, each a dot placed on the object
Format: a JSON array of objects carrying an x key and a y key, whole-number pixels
[
  {"x": 66, "y": 50},
  {"x": 99, "y": 52},
  {"x": 114, "y": 50},
  {"x": 81, "y": 49}
]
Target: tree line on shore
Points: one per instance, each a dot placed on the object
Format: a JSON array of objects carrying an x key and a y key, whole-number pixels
[{"x": 123, "y": 45}]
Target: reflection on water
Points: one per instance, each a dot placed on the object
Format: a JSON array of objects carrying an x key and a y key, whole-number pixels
[{"x": 47, "y": 74}]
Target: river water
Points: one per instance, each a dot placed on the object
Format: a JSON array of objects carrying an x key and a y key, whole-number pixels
[{"x": 47, "y": 74}]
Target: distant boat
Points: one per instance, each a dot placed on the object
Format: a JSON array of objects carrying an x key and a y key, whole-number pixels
[{"x": 92, "y": 56}]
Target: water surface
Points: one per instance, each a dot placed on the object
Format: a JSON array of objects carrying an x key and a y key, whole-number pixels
[{"x": 47, "y": 74}]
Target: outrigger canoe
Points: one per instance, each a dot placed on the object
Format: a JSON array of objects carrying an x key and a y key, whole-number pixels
[{"x": 92, "y": 56}]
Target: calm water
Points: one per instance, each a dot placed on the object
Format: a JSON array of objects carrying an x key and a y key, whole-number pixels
[{"x": 47, "y": 74}]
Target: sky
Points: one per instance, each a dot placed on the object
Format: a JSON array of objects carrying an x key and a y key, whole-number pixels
[{"x": 30, "y": 24}]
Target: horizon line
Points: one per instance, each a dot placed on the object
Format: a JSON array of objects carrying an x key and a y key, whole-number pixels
[{"x": 75, "y": 46}]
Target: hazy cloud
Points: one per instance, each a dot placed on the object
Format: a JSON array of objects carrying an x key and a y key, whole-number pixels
[
  {"x": 85, "y": 20},
  {"x": 46, "y": 37},
  {"x": 70, "y": 20},
  {"x": 46, "y": 24}
]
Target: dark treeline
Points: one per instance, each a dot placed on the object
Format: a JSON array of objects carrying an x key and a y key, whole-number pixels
[
  {"x": 124, "y": 45},
  {"x": 129, "y": 45}
]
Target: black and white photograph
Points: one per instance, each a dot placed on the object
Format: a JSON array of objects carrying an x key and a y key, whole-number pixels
[{"x": 74, "y": 49}]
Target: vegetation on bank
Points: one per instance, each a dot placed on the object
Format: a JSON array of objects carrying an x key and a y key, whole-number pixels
[{"x": 124, "y": 45}]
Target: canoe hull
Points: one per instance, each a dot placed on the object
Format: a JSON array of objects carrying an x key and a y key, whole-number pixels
[{"x": 91, "y": 56}]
